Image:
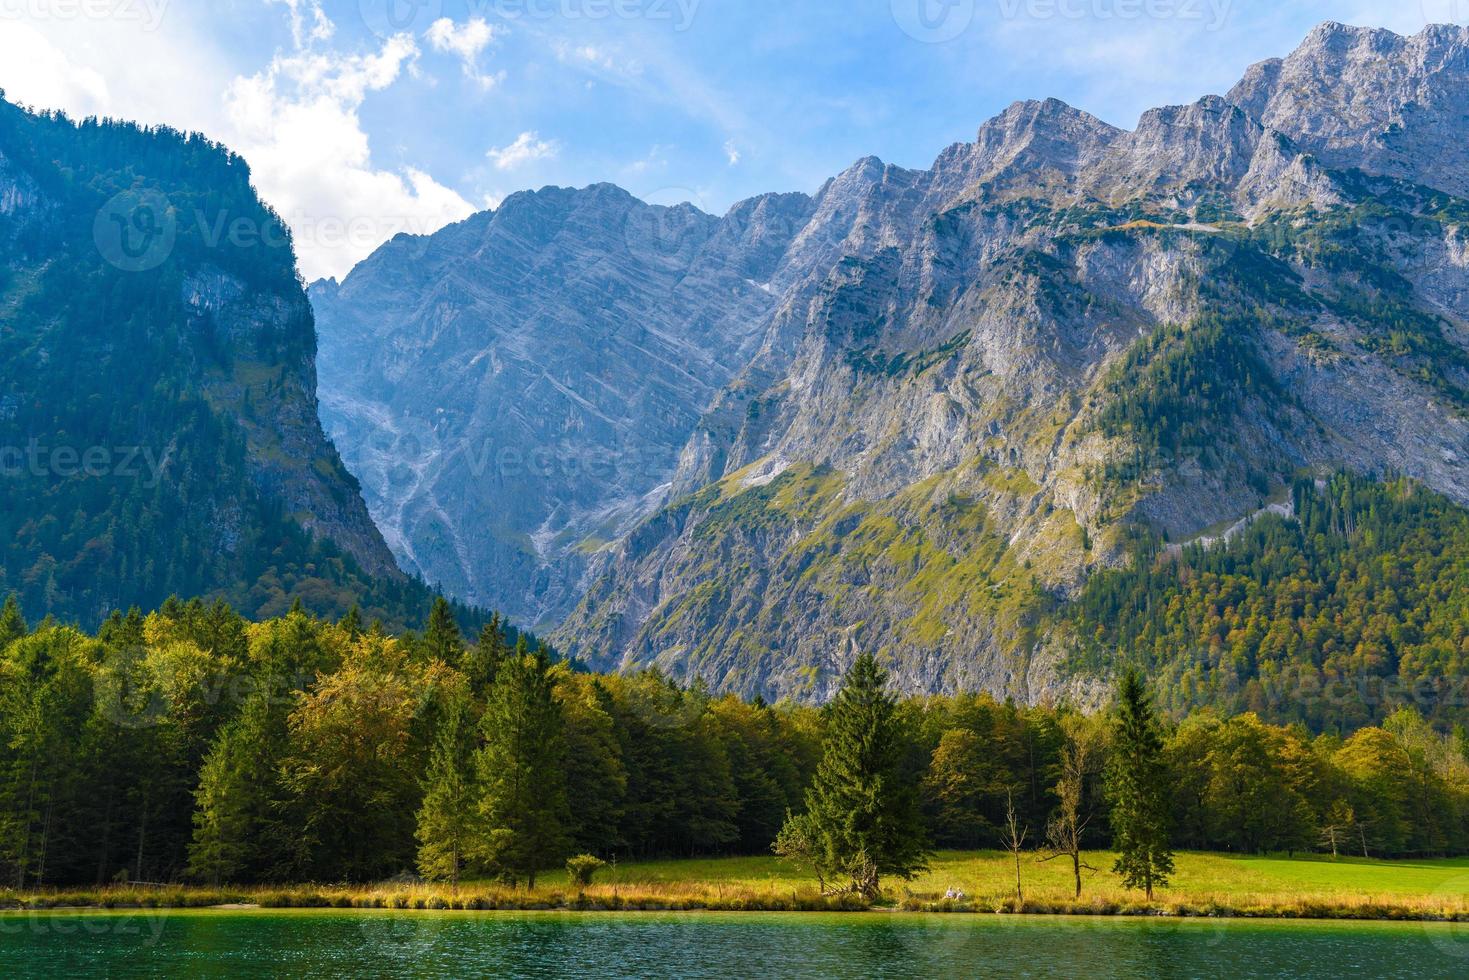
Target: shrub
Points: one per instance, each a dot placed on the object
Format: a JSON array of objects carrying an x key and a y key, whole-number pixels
[{"x": 582, "y": 868}]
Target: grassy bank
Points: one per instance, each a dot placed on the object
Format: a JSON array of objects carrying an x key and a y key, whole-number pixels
[{"x": 1206, "y": 884}]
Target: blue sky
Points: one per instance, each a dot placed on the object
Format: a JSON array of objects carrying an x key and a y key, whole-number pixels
[{"x": 362, "y": 118}]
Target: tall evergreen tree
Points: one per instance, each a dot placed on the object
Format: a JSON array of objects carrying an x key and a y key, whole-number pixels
[
  {"x": 238, "y": 835},
  {"x": 44, "y": 698},
  {"x": 12, "y": 623},
  {"x": 1138, "y": 790},
  {"x": 442, "y": 640},
  {"x": 524, "y": 814},
  {"x": 861, "y": 808},
  {"x": 446, "y": 818},
  {"x": 482, "y": 661},
  {"x": 351, "y": 624},
  {"x": 594, "y": 764}
]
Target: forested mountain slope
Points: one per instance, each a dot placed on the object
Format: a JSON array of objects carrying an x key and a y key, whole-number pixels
[{"x": 158, "y": 390}]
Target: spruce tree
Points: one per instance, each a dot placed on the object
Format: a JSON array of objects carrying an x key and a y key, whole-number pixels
[
  {"x": 442, "y": 641},
  {"x": 1137, "y": 788},
  {"x": 446, "y": 818},
  {"x": 351, "y": 624},
  {"x": 480, "y": 662},
  {"x": 238, "y": 833},
  {"x": 524, "y": 817},
  {"x": 12, "y": 623},
  {"x": 862, "y": 811}
]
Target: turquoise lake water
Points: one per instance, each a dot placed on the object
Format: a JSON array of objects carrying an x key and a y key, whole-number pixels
[{"x": 427, "y": 944}]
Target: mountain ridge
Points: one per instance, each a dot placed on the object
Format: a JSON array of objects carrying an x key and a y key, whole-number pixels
[{"x": 967, "y": 384}]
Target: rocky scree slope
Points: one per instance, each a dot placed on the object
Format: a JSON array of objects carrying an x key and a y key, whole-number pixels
[{"x": 514, "y": 390}]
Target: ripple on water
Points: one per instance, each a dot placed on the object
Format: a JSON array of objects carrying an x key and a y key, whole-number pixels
[{"x": 715, "y": 946}]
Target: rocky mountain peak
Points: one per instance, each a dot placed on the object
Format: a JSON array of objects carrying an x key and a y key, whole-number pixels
[
  {"x": 1373, "y": 100},
  {"x": 1031, "y": 143}
]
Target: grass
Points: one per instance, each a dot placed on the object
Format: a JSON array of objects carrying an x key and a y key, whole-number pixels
[
  {"x": 1246, "y": 885},
  {"x": 1205, "y": 884}
]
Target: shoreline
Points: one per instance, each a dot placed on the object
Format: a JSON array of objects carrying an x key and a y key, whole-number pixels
[
  {"x": 1205, "y": 886},
  {"x": 646, "y": 905}
]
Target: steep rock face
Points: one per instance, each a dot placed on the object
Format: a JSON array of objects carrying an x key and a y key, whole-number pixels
[
  {"x": 1358, "y": 97},
  {"x": 158, "y": 414},
  {"x": 514, "y": 391},
  {"x": 1059, "y": 331}
]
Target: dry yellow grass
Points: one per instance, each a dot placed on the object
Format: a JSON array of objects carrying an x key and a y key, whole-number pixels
[{"x": 1205, "y": 884}]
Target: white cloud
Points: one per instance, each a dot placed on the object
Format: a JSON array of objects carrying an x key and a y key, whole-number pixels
[
  {"x": 656, "y": 161},
  {"x": 731, "y": 152},
  {"x": 592, "y": 56},
  {"x": 297, "y": 124},
  {"x": 309, "y": 22},
  {"x": 36, "y": 73},
  {"x": 527, "y": 148},
  {"x": 296, "y": 120},
  {"x": 466, "y": 42}
]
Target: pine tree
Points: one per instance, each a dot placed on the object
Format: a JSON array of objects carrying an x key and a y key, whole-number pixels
[
  {"x": 481, "y": 661},
  {"x": 1137, "y": 788},
  {"x": 237, "y": 833},
  {"x": 442, "y": 641},
  {"x": 351, "y": 624},
  {"x": 446, "y": 818},
  {"x": 862, "y": 810},
  {"x": 12, "y": 623},
  {"x": 524, "y": 814}
]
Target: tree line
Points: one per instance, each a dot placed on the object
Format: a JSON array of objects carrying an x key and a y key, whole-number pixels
[
  {"x": 192, "y": 745},
  {"x": 1333, "y": 617}
]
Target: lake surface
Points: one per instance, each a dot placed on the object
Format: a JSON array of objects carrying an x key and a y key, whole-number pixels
[{"x": 322, "y": 944}]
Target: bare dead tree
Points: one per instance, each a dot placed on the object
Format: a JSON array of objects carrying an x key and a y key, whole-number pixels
[
  {"x": 1080, "y": 753},
  {"x": 1015, "y": 835},
  {"x": 1339, "y": 824}
]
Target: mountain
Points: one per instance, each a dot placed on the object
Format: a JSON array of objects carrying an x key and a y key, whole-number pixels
[
  {"x": 515, "y": 390},
  {"x": 955, "y": 403},
  {"x": 158, "y": 425}
]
